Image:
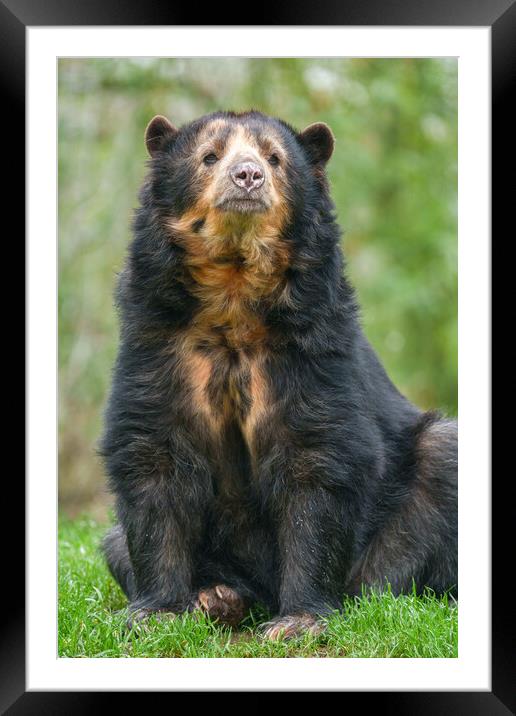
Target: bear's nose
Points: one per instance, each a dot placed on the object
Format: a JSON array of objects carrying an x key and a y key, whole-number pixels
[{"x": 248, "y": 175}]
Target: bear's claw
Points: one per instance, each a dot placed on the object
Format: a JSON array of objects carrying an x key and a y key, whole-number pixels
[{"x": 291, "y": 626}]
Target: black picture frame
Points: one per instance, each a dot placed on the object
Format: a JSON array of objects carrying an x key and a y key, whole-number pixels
[{"x": 15, "y": 17}]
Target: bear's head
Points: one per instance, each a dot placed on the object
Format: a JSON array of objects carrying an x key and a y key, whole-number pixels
[
  {"x": 229, "y": 176},
  {"x": 235, "y": 231}
]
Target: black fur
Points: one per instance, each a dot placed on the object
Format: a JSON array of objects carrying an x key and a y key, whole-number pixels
[{"x": 349, "y": 484}]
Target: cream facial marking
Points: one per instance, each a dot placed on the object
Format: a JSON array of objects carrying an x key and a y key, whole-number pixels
[
  {"x": 227, "y": 214},
  {"x": 233, "y": 148}
]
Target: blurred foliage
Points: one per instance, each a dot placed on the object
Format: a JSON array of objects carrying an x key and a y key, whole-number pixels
[{"x": 393, "y": 178}]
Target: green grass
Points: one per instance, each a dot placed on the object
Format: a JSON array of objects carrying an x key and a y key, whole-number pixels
[{"x": 93, "y": 613}]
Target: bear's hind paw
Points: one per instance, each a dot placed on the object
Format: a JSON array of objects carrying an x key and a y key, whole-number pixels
[{"x": 222, "y": 603}]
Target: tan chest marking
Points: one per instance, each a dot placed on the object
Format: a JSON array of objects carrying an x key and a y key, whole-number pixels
[
  {"x": 221, "y": 389},
  {"x": 261, "y": 404},
  {"x": 197, "y": 370},
  {"x": 231, "y": 283}
]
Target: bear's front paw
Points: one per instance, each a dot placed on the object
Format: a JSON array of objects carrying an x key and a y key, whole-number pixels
[
  {"x": 291, "y": 626},
  {"x": 222, "y": 603},
  {"x": 139, "y": 615}
]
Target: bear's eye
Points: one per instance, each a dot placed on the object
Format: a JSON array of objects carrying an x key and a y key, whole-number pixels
[
  {"x": 274, "y": 160},
  {"x": 210, "y": 158}
]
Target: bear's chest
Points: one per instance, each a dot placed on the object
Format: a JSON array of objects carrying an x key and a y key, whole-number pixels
[
  {"x": 225, "y": 347},
  {"x": 226, "y": 386}
]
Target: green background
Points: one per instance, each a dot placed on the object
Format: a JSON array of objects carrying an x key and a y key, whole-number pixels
[{"x": 393, "y": 177}]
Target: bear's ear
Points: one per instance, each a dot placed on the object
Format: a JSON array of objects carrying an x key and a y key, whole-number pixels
[
  {"x": 318, "y": 141},
  {"x": 158, "y": 130}
]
